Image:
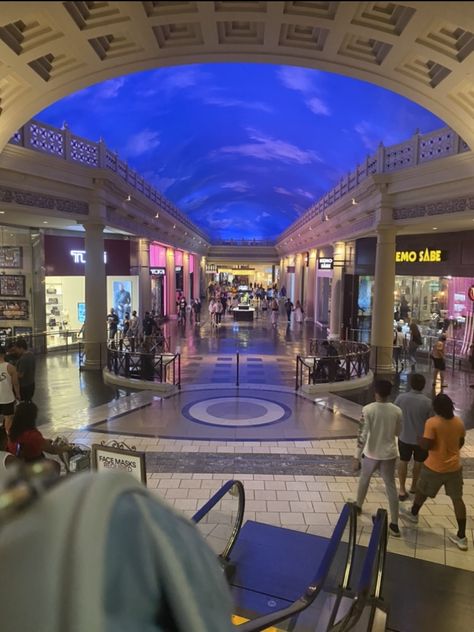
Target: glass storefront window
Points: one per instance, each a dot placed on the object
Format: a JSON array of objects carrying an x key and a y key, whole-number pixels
[{"x": 435, "y": 303}]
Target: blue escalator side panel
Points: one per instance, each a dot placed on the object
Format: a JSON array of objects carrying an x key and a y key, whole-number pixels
[{"x": 276, "y": 562}]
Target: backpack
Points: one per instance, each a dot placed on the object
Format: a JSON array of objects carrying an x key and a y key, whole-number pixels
[{"x": 99, "y": 552}]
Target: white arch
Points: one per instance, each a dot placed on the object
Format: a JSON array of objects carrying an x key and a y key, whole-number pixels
[{"x": 421, "y": 50}]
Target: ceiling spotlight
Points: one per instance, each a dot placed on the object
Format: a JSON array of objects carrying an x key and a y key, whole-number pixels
[
  {"x": 2, "y": 212},
  {"x": 128, "y": 198},
  {"x": 354, "y": 202},
  {"x": 174, "y": 226},
  {"x": 45, "y": 222},
  {"x": 157, "y": 216},
  {"x": 435, "y": 228},
  {"x": 325, "y": 218}
]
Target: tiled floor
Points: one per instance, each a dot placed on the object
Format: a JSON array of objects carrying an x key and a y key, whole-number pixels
[{"x": 300, "y": 484}]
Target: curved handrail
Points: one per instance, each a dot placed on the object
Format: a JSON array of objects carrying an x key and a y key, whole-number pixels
[
  {"x": 348, "y": 515},
  {"x": 369, "y": 592},
  {"x": 212, "y": 502}
]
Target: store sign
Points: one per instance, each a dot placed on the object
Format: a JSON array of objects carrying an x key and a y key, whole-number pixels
[
  {"x": 325, "y": 263},
  {"x": 178, "y": 268},
  {"x": 420, "y": 256},
  {"x": 79, "y": 256},
  {"x": 290, "y": 269},
  {"x": 470, "y": 292},
  {"x": 211, "y": 267},
  {"x": 158, "y": 271},
  {"x": 105, "y": 458}
]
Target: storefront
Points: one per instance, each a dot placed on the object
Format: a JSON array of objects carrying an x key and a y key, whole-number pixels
[
  {"x": 433, "y": 277},
  {"x": 158, "y": 279},
  {"x": 64, "y": 287},
  {"x": 17, "y": 283}
]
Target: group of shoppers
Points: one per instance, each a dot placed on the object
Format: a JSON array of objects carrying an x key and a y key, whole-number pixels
[{"x": 412, "y": 427}]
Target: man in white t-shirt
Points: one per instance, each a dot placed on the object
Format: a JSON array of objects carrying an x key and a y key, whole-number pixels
[
  {"x": 9, "y": 389},
  {"x": 377, "y": 443}
]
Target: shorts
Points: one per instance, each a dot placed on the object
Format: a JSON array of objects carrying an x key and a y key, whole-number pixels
[
  {"x": 407, "y": 450},
  {"x": 7, "y": 409},
  {"x": 430, "y": 483},
  {"x": 439, "y": 364}
]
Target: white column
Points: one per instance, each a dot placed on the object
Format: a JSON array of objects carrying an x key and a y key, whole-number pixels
[
  {"x": 197, "y": 276},
  {"x": 96, "y": 298},
  {"x": 186, "y": 284},
  {"x": 143, "y": 271},
  {"x": 171, "y": 283},
  {"x": 310, "y": 301},
  {"x": 298, "y": 272},
  {"x": 335, "y": 317},
  {"x": 382, "y": 312}
]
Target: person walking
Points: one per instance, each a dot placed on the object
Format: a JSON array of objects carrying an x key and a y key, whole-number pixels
[
  {"x": 378, "y": 430},
  {"x": 398, "y": 346},
  {"x": 149, "y": 328},
  {"x": 9, "y": 389},
  {"x": 275, "y": 310},
  {"x": 416, "y": 409},
  {"x": 133, "y": 330},
  {"x": 25, "y": 368},
  {"x": 439, "y": 363},
  {"x": 443, "y": 438},
  {"x": 197, "y": 311},
  {"x": 415, "y": 342},
  {"x": 213, "y": 312},
  {"x": 288, "y": 309},
  {"x": 299, "y": 313}
]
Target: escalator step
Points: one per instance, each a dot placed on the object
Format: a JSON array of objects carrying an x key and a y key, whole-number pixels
[{"x": 236, "y": 620}]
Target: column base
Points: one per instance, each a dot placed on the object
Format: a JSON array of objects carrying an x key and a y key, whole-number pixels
[
  {"x": 95, "y": 356},
  {"x": 381, "y": 361}
]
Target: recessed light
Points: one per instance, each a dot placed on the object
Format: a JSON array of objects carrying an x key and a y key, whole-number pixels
[
  {"x": 174, "y": 226},
  {"x": 3, "y": 213},
  {"x": 45, "y": 222},
  {"x": 435, "y": 228},
  {"x": 157, "y": 216}
]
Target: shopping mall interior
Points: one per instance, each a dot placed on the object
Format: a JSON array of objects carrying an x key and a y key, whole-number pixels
[{"x": 221, "y": 224}]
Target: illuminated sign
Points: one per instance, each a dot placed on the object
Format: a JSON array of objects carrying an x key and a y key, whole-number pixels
[
  {"x": 178, "y": 268},
  {"x": 158, "y": 271},
  {"x": 420, "y": 256},
  {"x": 290, "y": 269},
  {"x": 79, "y": 256},
  {"x": 325, "y": 263}
]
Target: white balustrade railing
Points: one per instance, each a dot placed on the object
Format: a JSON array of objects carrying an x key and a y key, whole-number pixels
[
  {"x": 67, "y": 146},
  {"x": 415, "y": 151},
  {"x": 62, "y": 144}
]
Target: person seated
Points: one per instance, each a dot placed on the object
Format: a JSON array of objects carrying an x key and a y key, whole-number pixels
[{"x": 25, "y": 441}]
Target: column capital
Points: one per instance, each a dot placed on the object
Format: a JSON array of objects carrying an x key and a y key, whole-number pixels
[{"x": 92, "y": 226}]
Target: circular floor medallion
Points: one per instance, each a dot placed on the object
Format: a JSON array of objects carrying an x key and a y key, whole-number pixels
[{"x": 236, "y": 412}]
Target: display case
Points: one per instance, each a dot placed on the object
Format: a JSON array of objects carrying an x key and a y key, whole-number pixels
[{"x": 54, "y": 307}]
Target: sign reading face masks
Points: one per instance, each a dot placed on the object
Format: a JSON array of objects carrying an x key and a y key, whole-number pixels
[
  {"x": 325, "y": 263},
  {"x": 420, "y": 256},
  {"x": 105, "y": 458}
]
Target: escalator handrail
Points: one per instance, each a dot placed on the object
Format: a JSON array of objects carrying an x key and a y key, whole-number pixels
[
  {"x": 348, "y": 515},
  {"x": 371, "y": 578},
  {"x": 212, "y": 502}
]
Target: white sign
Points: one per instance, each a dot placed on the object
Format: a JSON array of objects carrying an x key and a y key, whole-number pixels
[
  {"x": 158, "y": 271},
  {"x": 105, "y": 458},
  {"x": 79, "y": 256},
  {"x": 325, "y": 263}
]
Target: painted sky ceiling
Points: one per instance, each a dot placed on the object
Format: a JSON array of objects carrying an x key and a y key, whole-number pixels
[{"x": 243, "y": 149}]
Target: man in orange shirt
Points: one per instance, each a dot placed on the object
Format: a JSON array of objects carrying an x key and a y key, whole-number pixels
[{"x": 443, "y": 437}]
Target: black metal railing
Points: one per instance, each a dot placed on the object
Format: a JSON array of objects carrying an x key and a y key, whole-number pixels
[
  {"x": 164, "y": 368},
  {"x": 332, "y": 577},
  {"x": 368, "y": 605},
  {"x": 207, "y": 514},
  {"x": 352, "y": 361}
]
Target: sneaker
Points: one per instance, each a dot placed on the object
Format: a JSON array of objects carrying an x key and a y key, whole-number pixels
[
  {"x": 461, "y": 543},
  {"x": 394, "y": 530},
  {"x": 408, "y": 515}
]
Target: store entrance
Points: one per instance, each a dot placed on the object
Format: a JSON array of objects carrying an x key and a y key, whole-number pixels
[{"x": 158, "y": 295}]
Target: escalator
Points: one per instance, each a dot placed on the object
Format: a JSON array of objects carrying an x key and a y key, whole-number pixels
[{"x": 272, "y": 576}]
